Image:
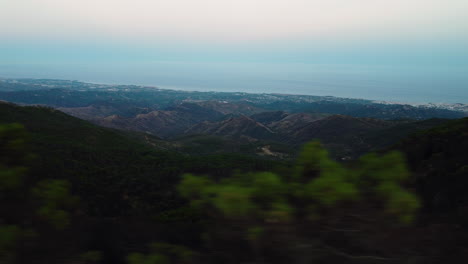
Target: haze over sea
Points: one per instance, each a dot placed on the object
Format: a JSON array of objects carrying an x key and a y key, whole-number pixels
[{"x": 403, "y": 84}]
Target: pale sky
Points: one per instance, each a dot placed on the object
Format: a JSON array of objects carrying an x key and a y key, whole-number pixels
[{"x": 233, "y": 20}]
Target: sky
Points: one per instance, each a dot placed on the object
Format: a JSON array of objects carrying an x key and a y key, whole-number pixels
[{"x": 190, "y": 40}]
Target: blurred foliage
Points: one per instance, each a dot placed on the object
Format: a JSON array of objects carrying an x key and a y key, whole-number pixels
[
  {"x": 91, "y": 257},
  {"x": 13, "y": 156},
  {"x": 317, "y": 180},
  {"x": 314, "y": 211},
  {"x": 8, "y": 237},
  {"x": 318, "y": 191},
  {"x": 55, "y": 198},
  {"x": 20, "y": 194},
  {"x": 13, "y": 160},
  {"x": 163, "y": 253},
  {"x": 113, "y": 174},
  {"x": 438, "y": 157}
]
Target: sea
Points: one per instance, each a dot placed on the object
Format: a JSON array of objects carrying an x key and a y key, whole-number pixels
[{"x": 405, "y": 84}]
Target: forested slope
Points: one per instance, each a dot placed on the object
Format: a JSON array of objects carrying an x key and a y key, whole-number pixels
[{"x": 113, "y": 172}]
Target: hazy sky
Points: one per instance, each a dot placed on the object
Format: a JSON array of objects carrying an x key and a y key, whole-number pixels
[
  {"x": 233, "y": 21},
  {"x": 391, "y": 33},
  {"x": 239, "y": 25}
]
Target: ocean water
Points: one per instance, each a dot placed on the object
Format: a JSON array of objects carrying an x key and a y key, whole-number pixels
[{"x": 409, "y": 84}]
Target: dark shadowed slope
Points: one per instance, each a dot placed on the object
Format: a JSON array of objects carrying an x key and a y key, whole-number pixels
[
  {"x": 112, "y": 172},
  {"x": 348, "y": 137},
  {"x": 439, "y": 160}
]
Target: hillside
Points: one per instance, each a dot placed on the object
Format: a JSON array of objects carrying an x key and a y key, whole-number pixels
[
  {"x": 348, "y": 137},
  {"x": 344, "y": 136},
  {"x": 293, "y": 122},
  {"x": 439, "y": 159},
  {"x": 162, "y": 123},
  {"x": 128, "y": 197},
  {"x": 113, "y": 171},
  {"x": 241, "y": 127}
]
